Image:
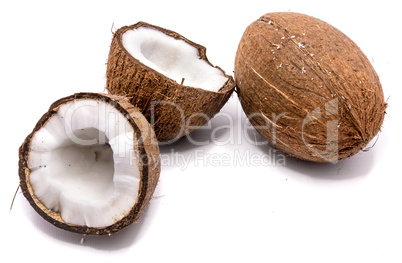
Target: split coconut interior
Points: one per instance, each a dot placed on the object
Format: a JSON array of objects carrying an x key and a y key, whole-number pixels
[
  {"x": 83, "y": 165},
  {"x": 174, "y": 58}
]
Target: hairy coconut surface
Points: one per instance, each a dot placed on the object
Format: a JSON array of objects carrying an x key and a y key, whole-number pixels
[
  {"x": 91, "y": 164},
  {"x": 307, "y": 88},
  {"x": 168, "y": 77}
]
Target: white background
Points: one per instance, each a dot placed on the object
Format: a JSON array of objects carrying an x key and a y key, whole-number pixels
[{"x": 204, "y": 212}]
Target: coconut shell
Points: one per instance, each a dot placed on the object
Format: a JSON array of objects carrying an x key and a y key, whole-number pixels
[
  {"x": 307, "y": 88},
  {"x": 177, "y": 109},
  {"x": 146, "y": 150}
]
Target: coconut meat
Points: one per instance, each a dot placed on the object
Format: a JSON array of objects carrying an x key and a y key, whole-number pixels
[
  {"x": 83, "y": 165},
  {"x": 174, "y": 58}
]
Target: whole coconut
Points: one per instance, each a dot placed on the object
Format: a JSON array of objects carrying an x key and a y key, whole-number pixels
[{"x": 307, "y": 88}]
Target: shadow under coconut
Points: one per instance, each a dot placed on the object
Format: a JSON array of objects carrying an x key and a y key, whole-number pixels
[
  {"x": 180, "y": 154},
  {"x": 353, "y": 167},
  {"x": 358, "y": 165},
  {"x": 120, "y": 240},
  {"x": 214, "y": 131}
]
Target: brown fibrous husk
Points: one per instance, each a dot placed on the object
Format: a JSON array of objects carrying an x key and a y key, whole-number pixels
[
  {"x": 145, "y": 147},
  {"x": 307, "y": 88},
  {"x": 177, "y": 109}
]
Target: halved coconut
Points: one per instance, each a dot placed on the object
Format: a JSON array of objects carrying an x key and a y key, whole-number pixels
[
  {"x": 168, "y": 77},
  {"x": 91, "y": 164}
]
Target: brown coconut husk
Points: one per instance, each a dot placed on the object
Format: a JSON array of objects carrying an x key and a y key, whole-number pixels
[
  {"x": 146, "y": 150},
  {"x": 310, "y": 86},
  {"x": 178, "y": 109}
]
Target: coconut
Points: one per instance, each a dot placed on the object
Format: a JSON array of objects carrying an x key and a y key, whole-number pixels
[
  {"x": 168, "y": 77},
  {"x": 90, "y": 165},
  {"x": 307, "y": 88}
]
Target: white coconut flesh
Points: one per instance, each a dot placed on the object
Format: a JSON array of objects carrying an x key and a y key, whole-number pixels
[
  {"x": 83, "y": 165},
  {"x": 173, "y": 58}
]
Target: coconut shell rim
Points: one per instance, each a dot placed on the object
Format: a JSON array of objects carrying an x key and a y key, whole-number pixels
[{"x": 227, "y": 87}]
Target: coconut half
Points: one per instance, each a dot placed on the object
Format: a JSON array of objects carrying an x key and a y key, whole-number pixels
[
  {"x": 168, "y": 77},
  {"x": 91, "y": 164}
]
